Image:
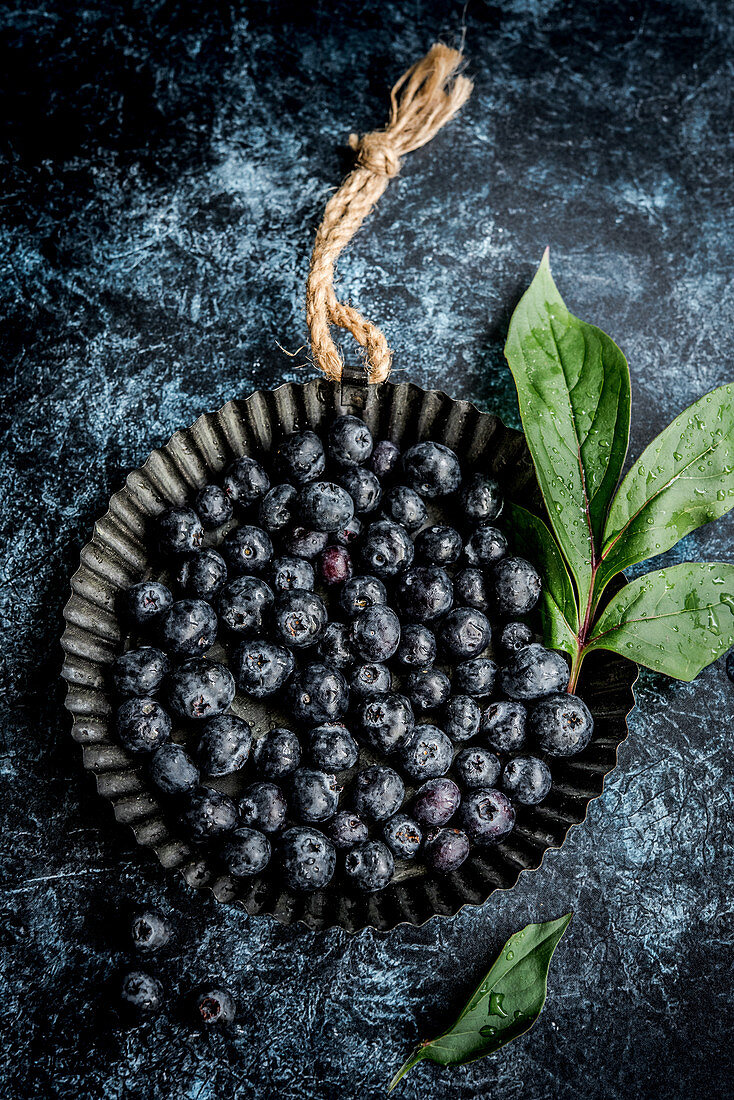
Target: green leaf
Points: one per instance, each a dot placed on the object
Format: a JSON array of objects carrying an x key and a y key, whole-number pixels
[
  {"x": 675, "y": 621},
  {"x": 683, "y": 479},
  {"x": 558, "y": 609},
  {"x": 573, "y": 389},
  {"x": 506, "y": 1004}
]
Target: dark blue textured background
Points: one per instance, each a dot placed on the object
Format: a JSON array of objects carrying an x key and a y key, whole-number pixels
[{"x": 166, "y": 165}]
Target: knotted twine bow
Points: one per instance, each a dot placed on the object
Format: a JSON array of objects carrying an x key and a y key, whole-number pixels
[{"x": 423, "y": 101}]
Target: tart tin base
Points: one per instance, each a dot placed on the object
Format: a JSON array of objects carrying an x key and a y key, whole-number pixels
[{"x": 117, "y": 557}]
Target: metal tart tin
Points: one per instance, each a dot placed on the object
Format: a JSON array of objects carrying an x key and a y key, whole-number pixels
[{"x": 117, "y": 557}]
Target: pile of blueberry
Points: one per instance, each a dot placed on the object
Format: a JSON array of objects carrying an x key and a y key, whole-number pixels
[{"x": 372, "y": 598}]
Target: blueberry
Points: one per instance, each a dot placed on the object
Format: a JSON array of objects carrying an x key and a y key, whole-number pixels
[
  {"x": 149, "y": 931},
  {"x": 432, "y": 469},
  {"x": 480, "y": 499},
  {"x": 514, "y": 636},
  {"x": 200, "y": 688},
  {"x": 347, "y": 829},
  {"x": 335, "y": 647},
  {"x": 439, "y": 545},
  {"x": 503, "y": 724},
  {"x": 261, "y": 668},
  {"x": 425, "y": 593},
  {"x": 314, "y": 794},
  {"x": 288, "y": 573},
  {"x": 403, "y": 836},
  {"x": 324, "y": 506},
  {"x": 486, "y": 815},
  {"x": 370, "y": 679},
  {"x": 385, "y": 459},
  {"x": 179, "y": 531},
  {"x": 349, "y": 533},
  {"x": 730, "y": 665},
  {"x": 216, "y": 1008},
  {"x": 335, "y": 565},
  {"x": 376, "y": 633},
  {"x": 461, "y": 718},
  {"x": 277, "y": 754},
  {"x": 360, "y": 593},
  {"x": 385, "y": 721},
  {"x": 403, "y": 505},
  {"x": 141, "y": 993},
  {"x": 417, "y": 647},
  {"x": 278, "y": 508},
  {"x": 144, "y": 602},
  {"x": 308, "y": 859},
  {"x": 224, "y": 745},
  {"x": 304, "y": 543},
  {"x": 245, "y": 481},
  {"x": 369, "y": 866},
  {"x": 561, "y": 725},
  {"x": 363, "y": 487},
  {"x": 526, "y": 779},
  {"x": 213, "y": 507},
  {"x": 247, "y": 549},
  {"x": 188, "y": 628},
  {"x": 445, "y": 850},
  {"x": 209, "y": 814},
  {"x": 301, "y": 458},
  {"x": 332, "y": 748},
  {"x": 465, "y": 632},
  {"x": 139, "y": 671},
  {"x": 202, "y": 576},
  {"x": 436, "y": 801},
  {"x": 142, "y": 725},
  {"x": 378, "y": 792},
  {"x": 534, "y": 671},
  {"x": 245, "y": 605},
  {"x": 300, "y": 618},
  {"x": 475, "y": 677},
  {"x": 263, "y": 806},
  {"x": 318, "y": 694},
  {"x": 486, "y": 546},
  {"x": 387, "y": 548},
  {"x": 428, "y": 754},
  {"x": 477, "y": 767},
  {"x": 350, "y": 441},
  {"x": 173, "y": 771},
  {"x": 517, "y": 586},
  {"x": 427, "y": 688},
  {"x": 247, "y": 852},
  {"x": 472, "y": 589}
]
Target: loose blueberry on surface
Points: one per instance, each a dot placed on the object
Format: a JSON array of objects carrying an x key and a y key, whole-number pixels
[
  {"x": 472, "y": 589},
  {"x": 439, "y": 545},
  {"x": 534, "y": 671},
  {"x": 245, "y": 481},
  {"x": 261, "y": 668},
  {"x": 445, "y": 850},
  {"x": 376, "y": 633},
  {"x": 385, "y": 722},
  {"x": 335, "y": 565},
  {"x": 428, "y": 754},
  {"x": 363, "y": 487},
  {"x": 142, "y": 725},
  {"x": 432, "y": 469},
  {"x": 200, "y": 688},
  {"x": 308, "y": 859},
  {"x": 332, "y": 748},
  {"x": 378, "y": 792},
  {"x": 224, "y": 745},
  {"x": 387, "y": 548},
  {"x": 277, "y": 754},
  {"x": 361, "y": 592},
  {"x": 335, "y": 647},
  {"x": 318, "y": 694},
  {"x": 314, "y": 794},
  {"x": 247, "y": 549},
  {"x": 301, "y": 458},
  {"x": 149, "y": 931},
  {"x": 465, "y": 632},
  {"x": 139, "y": 671},
  {"x": 325, "y": 506},
  {"x": 526, "y": 779},
  {"x": 202, "y": 576},
  {"x": 350, "y": 441},
  {"x": 403, "y": 505},
  {"x": 141, "y": 993},
  {"x": 403, "y": 836},
  {"x": 213, "y": 507},
  {"x": 480, "y": 499},
  {"x": 477, "y": 767},
  {"x": 730, "y": 665},
  {"x": 188, "y": 628},
  {"x": 263, "y": 806},
  {"x": 277, "y": 509},
  {"x": 417, "y": 647},
  {"x": 349, "y": 533},
  {"x": 427, "y": 688},
  {"x": 370, "y": 679},
  {"x": 561, "y": 725},
  {"x": 347, "y": 829},
  {"x": 173, "y": 771},
  {"x": 514, "y": 637},
  {"x": 300, "y": 618},
  {"x": 303, "y": 543},
  {"x": 144, "y": 602},
  {"x": 517, "y": 586},
  {"x": 503, "y": 725},
  {"x": 485, "y": 547},
  {"x": 486, "y": 815},
  {"x": 369, "y": 866},
  {"x": 424, "y": 593},
  {"x": 245, "y": 605},
  {"x": 247, "y": 852},
  {"x": 385, "y": 459},
  {"x": 290, "y": 572},
  {"x": 216, "y": 1008},
  {"x": 461, "y": 718},
  {"x": 436, "y": 802},
  {"x": 179, "y": 531},
  {"x": 475, "y": 677},
  {"x": 209, "y": 814}
]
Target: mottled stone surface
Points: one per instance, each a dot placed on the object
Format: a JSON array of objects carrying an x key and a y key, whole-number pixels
[{"x": 166, "y": 166}]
